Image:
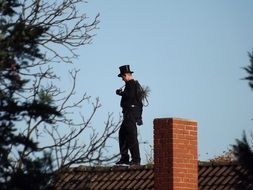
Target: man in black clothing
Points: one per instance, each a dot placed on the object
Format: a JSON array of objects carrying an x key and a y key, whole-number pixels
[{"x": 131, "y": 109}]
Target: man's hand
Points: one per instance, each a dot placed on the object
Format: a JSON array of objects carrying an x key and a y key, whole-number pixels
[{"x": 119, "y": 91}]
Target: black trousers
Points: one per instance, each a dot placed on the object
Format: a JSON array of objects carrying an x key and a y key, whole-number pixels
[{"x": 128, "y": 140}]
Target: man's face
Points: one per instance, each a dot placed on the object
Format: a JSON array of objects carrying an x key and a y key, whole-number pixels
[
  {"x": 123, "y": 77},
  {"x": 126, "y": 77}
]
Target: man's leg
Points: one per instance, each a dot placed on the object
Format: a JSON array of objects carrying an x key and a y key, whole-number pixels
[
  {"x": 132, "y": 140},
  {"x": 123, "y": 145}
]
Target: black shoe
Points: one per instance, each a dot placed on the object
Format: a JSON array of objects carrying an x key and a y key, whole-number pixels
[
  {"x": 121, "y": 162},
  {"x": 134, "y": 163}
]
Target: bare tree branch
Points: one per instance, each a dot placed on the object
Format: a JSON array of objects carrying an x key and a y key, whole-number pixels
[
  {"x": 66, "y": 26},
  {"x": 61, "y": 29}
]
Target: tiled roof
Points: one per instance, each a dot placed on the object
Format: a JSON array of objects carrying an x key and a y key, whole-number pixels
[
  {"x": 220, "y": 176},
  {"x": 113, "y": 178},
  {"x": 211, "y": 176}
]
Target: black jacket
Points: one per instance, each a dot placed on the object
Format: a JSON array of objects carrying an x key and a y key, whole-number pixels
[
  {"x": 129, "y": 101},
  {"x": 129, "y": 95}
]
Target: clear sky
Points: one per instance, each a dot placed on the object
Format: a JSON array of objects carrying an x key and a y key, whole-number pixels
[{"x": 190, "y": 54}]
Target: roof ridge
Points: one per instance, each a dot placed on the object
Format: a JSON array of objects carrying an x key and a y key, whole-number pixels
[
  {"x": 141, "y": 167},
  {"x": 218, "y": 163},
  {"x": 109, "y": 168}
]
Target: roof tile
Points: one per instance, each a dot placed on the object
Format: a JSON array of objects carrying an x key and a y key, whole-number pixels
[{"x": 211, "y": 176}]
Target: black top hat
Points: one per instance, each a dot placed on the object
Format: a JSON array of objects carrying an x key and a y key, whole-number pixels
[{"x": 124, "y": 69}]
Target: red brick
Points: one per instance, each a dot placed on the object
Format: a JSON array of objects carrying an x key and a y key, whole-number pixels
[{"x": 175, "y": 154}]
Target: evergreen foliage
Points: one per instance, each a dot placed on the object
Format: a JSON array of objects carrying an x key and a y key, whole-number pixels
[
  {"x": 249, "y": 70},
  {"x": 33, "y": 35},
  {"x": 242, "y": 149},
  {"x": 19, "y": 46},
  {"x": 244, "y": 155}
]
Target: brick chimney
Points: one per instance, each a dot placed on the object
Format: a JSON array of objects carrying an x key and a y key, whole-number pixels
[{"x": 175, "y": 154}]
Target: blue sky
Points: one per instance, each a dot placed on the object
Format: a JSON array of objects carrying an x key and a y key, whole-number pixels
[{"x": 190, "y": 54}]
